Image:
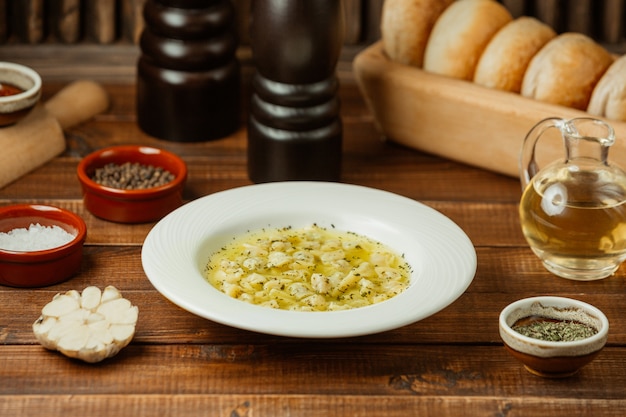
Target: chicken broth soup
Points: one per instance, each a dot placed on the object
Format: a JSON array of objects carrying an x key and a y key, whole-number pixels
[{"x": 308, "y": 269}]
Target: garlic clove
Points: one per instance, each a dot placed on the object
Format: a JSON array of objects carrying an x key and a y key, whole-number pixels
[{"x": 90, "y": 298}]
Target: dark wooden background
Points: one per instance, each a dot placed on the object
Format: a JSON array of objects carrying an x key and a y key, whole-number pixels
[
  {"x": 112, "y": 21},
  {"x": 100, "y": 36}
]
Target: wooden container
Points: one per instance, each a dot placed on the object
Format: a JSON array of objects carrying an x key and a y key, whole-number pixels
[{"x": 457, "y": 119}]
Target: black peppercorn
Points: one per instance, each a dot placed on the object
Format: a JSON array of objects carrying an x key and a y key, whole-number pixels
[{"x": 131, "y": 176}]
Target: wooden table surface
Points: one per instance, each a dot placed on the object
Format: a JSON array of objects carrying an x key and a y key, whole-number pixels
[{"x": 450, "y": 364}]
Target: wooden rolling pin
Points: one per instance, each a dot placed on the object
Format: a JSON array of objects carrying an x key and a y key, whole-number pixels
[{"x": 39, "y": 137}]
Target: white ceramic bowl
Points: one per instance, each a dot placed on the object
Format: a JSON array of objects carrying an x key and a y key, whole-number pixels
[
  {"x": 553, "y": 358},
  {"x": 442, "y": 258},
  {"x": 15, "y": 107}
]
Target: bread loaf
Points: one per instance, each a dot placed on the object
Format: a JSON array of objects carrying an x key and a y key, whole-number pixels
[
  {"x": 460, "y": 36},
  {"x": 506, "y": 57},
  {"x": 608, "y": 98},
  {"x": 566, "y": 70},
  {"x": 405, "y": 28}
]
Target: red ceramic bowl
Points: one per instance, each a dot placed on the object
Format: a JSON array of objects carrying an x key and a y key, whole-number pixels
[
  {"x": 132, "y": 206},
  {"x": 39, "y": 268},
  {"x": 15, "y": 106}
]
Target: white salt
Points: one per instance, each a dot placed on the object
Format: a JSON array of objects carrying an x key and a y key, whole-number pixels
[{"x": 36, "y": 237}]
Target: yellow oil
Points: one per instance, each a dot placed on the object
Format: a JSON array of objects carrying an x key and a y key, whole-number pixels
[{"x": 575, "y": 221}]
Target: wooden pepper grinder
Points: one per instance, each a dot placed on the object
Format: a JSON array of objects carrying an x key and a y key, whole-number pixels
[
  {"x": 188, "y": 76},
  {"x": 294, "y": 127}
]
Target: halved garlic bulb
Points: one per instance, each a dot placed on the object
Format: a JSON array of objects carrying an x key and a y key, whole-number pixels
[{"x": 91, "y": 326}]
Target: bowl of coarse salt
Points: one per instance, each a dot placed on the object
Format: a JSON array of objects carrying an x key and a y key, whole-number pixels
[{"x": 40, "y": 245}]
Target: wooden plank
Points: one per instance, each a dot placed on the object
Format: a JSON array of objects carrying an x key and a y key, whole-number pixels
[
  {"x": 132, "y": 19},
  {"x": 29, "y": 20},
  {"x": 243, "y": 16},
  {"x": 314, "y": 368},
  {"x": 161, "y": 322},
  {"x": 579, "y": 17},
  {"x": 367, "y": 159},
  {"x": 372, "y": 15},
  {"x": 516, "y": 7},
  {"x": 238, "y": 405},
  {"x": 66, "y": 20},
  {"x": 110, "y": 63},
  {"x": 550, "y": 12},
  {"x": 223, "y": 169},
  {"x": 612, "y": 21},
  {"x": 353, "y": 13},
  {"x": 4, "y": 21},
  {"x": 100, "y": 21},
  {"x": 493, "y": 224},
  {"x": 117, "y": 62}
]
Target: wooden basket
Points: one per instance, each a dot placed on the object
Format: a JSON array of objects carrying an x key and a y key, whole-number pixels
[{"x": 457, "y": 119}]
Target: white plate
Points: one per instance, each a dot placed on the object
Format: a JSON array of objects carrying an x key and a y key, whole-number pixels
[{"x": 177, "y": 249}]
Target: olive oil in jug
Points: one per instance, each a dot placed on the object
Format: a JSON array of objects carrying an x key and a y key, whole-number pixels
[{"x": 573, "y": 213}]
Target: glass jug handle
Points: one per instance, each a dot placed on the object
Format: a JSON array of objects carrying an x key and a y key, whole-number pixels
[{"x": 528, "y": 164}]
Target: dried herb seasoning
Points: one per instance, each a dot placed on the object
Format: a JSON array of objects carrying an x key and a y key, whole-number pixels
[{"x": 552, "y": 330}]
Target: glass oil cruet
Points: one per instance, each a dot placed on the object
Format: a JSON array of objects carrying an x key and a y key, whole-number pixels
[{"x": 573, "y": 211}]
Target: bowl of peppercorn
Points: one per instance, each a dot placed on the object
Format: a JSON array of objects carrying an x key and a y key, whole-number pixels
[
  {"x": 40, "y": 245},
  {"x": 553, "y": 336},
  {"x": 20, "y": 91},
  {"x": 132, "y": 183}
]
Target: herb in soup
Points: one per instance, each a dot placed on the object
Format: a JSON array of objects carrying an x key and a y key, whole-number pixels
[{"x": 308, "y": 269}]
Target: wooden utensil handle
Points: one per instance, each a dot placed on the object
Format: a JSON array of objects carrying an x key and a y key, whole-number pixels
[{"x": 77, "y": 102}]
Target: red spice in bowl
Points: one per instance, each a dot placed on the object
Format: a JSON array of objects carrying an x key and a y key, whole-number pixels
[
  {"x": 132, "y": 205},
  {"x": 37, "y": 268},
  {"x": 9, "y": 90},
  {"x": 20, "y": 91}
]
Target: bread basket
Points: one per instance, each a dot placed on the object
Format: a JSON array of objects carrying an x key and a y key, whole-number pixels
[{"x": 457, "y": 119}]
